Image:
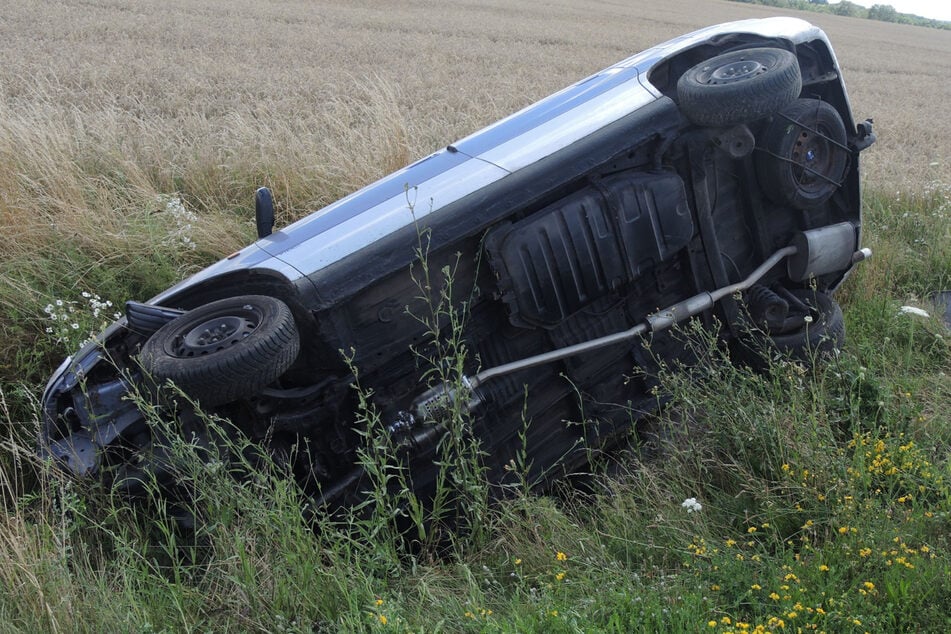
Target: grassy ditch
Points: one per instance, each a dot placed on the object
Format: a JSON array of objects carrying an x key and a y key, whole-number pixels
[{"x": 813, "y": 499}]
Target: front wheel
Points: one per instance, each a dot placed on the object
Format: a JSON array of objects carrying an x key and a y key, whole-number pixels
[{"x": 225, "y": 350}]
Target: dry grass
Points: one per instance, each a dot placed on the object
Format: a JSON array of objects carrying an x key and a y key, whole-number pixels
[{"x": 186, "y": 86}]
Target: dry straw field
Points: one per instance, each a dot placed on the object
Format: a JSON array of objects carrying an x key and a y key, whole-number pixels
[
  {"x": 106, "y": 103},
  {"x": 323, "y": 96}
]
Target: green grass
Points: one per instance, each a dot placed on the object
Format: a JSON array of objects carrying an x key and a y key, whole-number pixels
[{"x": 825, "y": 493}]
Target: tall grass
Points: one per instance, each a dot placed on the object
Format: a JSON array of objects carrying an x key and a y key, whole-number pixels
[
  {"x": 100, "y": 202},
  {"x": 825, "y": 502},
  {"x": 824, "y": 494}
]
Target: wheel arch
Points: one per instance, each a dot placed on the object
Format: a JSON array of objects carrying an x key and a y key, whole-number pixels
[
  {"x": 300, "y": 298},
  {"x": 251, "y": 281},
  {"x": 664, "y": 76}
]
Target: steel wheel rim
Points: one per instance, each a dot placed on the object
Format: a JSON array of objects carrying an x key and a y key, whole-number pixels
[{"x": 215, "y": 334}]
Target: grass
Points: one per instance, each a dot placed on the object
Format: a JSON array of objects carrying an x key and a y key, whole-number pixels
[
  {"x": 825, "y": 496},
  {"x": 131, "y": 140}
]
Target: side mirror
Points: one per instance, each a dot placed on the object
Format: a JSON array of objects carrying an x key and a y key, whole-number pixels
[{"x": 264, "y": 211}]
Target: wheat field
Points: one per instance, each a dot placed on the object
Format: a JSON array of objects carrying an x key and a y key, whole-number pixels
[
  {"x": 108, "y": 106},
  {"x": 333, "y": 94}
]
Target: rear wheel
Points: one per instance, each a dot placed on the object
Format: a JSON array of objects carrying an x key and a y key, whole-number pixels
[
  {"x": 224, "y": 350},
  {"x": 739, "y": 87},
  {"x": 806, "y": 154},
  {"x": 815, "y": 325},
  {"x": 812, "y": 327}
]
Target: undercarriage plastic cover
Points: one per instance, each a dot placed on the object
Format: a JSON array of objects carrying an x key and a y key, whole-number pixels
[{"x": 588, "y": 244}]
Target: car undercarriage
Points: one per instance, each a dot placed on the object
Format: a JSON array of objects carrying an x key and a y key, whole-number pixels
[{"x": 537, "y": 299}]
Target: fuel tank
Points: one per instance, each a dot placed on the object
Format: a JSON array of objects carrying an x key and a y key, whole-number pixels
[{"x": 592, "y": 242}]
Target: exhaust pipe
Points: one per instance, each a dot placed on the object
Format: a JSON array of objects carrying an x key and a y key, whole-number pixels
[{"x": 813, "y": 253}]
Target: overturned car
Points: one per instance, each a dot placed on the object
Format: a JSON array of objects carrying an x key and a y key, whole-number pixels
[{"x": 715, "y": 177}]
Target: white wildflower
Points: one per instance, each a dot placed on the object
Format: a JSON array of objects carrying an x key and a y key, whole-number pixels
[
  {"x": 911, "y": 310},
  {"x": 214, "y": 466},
  {"x": 180, "y": 233},
  {"x": 691, "y": 505}
]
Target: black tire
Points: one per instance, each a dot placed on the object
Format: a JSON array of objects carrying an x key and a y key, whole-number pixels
[
  {"x": 739, "y": 87},
  {"x": 820, "y": 336},
  {"x": 224, "y": 350},
  {"x": 814, "y": 328},
  {"x": 805, "y": 154}
]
